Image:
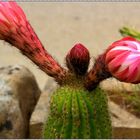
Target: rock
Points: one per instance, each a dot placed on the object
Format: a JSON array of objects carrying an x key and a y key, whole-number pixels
[
  {"x": 113, "y": 84},
  {"x": 39, "y": 116},
  {"x": 125, "y": 125},
  {"x": 42, "y": 108},
  {"x": 50, "y": 85},
  {"x": 19, "y": 94}
]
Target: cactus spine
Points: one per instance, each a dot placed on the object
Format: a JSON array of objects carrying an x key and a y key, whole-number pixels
[{"x": 77, "y": 113}]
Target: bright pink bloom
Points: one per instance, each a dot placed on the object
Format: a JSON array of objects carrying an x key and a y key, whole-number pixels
[
  {"x": 16, "y": 30},
  {"x": 123, "y": 60},
  {"x": 77, "y": 59}
]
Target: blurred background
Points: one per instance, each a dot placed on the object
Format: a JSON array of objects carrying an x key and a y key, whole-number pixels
[{"x": 60, "y": 25}]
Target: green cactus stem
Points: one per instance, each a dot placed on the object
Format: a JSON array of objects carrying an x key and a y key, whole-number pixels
[{"x": 78, "y": 113}]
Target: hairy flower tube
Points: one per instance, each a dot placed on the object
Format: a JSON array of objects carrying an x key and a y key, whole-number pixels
[
  {"x": 77, "y": 59},
  {"x": 123, "y": 60},
  {"x": 16, "y": 30}
]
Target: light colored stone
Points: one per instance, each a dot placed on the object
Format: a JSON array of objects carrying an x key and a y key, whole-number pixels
[
  {"x": 120, "y": 117},
  {"x": 125, "y": 125},
  {"x": 39, "y": 116},
  {"x": 19, "y": 93},
  {"x": 113, "y": 84},
  {"x": 50, "y": 85},
  {"x": 42, "y": 109}
]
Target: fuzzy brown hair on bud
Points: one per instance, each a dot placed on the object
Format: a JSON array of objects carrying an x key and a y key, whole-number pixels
[
  {"x": 98, "y": 73},
  {"x": 77, "y": 59}
]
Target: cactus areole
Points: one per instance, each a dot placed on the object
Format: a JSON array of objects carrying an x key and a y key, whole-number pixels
[{"x": 78, "y": 108}]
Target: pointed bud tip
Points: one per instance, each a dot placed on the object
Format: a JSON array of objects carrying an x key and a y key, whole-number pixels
[
  {"x": 77, "y": 59},
  {"x": 79, "y": 51}
]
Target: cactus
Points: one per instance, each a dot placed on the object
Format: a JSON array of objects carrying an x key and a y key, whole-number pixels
[{"x": 77, "y": 113}]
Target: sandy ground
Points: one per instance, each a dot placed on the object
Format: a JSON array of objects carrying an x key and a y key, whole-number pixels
[{"x": 61, "y": 25}]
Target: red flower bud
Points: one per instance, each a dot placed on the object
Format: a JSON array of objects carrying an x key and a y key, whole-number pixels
[
  {"x": 123, "y": 60},
  {"x": 77, "y": 59}
]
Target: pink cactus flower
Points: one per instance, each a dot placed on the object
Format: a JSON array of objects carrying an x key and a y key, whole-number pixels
[
  {"x": 123, "y": 60},
  {"x": 16, "y": 30},
  {"x": 77, "y": 59}
]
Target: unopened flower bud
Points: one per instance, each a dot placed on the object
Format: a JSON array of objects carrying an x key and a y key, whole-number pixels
[
  {"x": 77, "y": 59},
  {"x": 123, "y": 60}
]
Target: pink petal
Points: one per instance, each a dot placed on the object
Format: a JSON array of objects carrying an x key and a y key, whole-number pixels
[
  {"x": 122, "y": 75},
  {"x": 117, "y": 61}
]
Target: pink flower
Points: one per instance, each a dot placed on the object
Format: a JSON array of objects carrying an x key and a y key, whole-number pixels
[
  {"x": 77, "y": 59},
  {"x": 123, "y": 60},
  {"x": 16, "y": 30}
]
